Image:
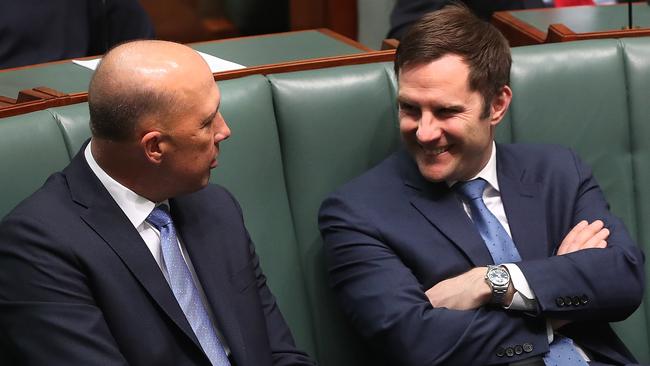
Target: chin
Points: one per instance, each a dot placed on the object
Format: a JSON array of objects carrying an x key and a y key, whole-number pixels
[{"x": 433, "y": 173}]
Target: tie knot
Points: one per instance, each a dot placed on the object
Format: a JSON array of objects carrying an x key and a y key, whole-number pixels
[
  {"x": 471, "y": 189},
  {"x": 159, "y": 217}
]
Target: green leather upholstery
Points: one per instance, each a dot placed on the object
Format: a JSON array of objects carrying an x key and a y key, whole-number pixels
[
  {"x": 31, "y": 148},
  {"x": 251, "y": 166},
  {"x": 73, "y": 121},
  {"x": 636, "y": 56},
  {"x": 326, "y": 141},
  {"x": 297, "y": 136}
]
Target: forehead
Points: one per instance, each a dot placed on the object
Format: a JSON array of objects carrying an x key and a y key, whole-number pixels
[
  {"x": 446, "y": 76},
  {"x": 447, "y": 69}
]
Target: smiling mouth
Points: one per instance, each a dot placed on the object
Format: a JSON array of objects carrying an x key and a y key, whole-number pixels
[{"x": 436, "y": 151}]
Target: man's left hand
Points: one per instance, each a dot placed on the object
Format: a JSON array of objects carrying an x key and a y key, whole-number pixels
[{"x": 467, "y": 291}]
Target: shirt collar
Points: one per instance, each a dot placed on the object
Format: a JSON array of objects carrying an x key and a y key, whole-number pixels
[
  {"x": 135, "y": 207},
  {"x": 489, "y": 171}
]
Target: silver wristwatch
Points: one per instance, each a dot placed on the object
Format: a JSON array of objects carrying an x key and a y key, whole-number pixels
[{"x": 498, "y": 278}]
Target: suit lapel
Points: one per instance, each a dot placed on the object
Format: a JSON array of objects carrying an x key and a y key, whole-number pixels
[
  {"x": 522, "y": 203},
  {"x": 524, "y": 208},
  {"x": 440, "y": 206},
  {"x": 207, "y": 245},
  {"x": 106, "y": 218}
]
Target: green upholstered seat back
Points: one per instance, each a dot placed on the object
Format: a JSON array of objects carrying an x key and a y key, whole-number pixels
[
  {"x": 251, "y": 167},
  {"x": 637, "y": 68},
  {"x": 73, "y": 121},
  {"x": 334, "y": 124},
  {"x": 31, "y": 148}
]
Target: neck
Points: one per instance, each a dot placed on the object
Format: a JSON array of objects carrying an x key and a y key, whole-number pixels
[{"x": 122, "y": 162}]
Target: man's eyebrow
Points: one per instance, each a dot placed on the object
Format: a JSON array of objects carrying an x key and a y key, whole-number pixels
[
  {"x": 211, "y": 116},
  {"x": 403, "y": 99}
]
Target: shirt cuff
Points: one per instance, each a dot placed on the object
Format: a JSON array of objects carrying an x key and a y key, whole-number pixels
[{"x": 523, "y": 299}]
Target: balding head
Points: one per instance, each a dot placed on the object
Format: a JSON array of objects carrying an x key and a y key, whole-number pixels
[
  {"x": 154, "y": 118},
  {"x": 140, "y": 80}
]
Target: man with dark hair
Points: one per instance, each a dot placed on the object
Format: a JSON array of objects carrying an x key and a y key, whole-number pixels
[
  {"x": 128, "y": 256},
  {"x": 460, "y": 251}
]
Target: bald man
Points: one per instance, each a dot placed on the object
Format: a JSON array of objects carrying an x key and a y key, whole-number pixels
[{"x": 128, "y": 256}]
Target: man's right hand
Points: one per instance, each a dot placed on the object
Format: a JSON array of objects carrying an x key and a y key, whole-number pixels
[{"x": 584, "y": 236}]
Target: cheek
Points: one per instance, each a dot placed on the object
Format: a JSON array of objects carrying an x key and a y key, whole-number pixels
[{"x": 408, "y": 128}]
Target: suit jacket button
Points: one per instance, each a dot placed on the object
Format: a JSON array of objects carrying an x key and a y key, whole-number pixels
[
  {"x": 528, "y": 348},
  {"x": 576, "y": 301},
  {"x": 567, "y": 301},
  {"x": 510, "y": 352},
  {"x": 519, "y": 349},
  {"x": 559, "y": 301},
  {"x": 501, "y": 352},
  {"x": 584, "y": 299}
]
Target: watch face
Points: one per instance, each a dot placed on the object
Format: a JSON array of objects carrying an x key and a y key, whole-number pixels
[{"x": 498, "y": 276}]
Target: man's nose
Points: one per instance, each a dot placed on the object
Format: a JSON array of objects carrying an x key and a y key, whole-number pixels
[
  {"x": 429, "y": 129},
  {"x": 223, "y": 131}
]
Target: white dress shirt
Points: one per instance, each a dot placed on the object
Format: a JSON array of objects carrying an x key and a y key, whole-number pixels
[{"x": 137, "y": 209}]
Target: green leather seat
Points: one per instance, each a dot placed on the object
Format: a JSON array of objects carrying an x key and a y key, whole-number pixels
[
  {"x": 31, "y": 148},
  {"x": 333, "y": 123}
]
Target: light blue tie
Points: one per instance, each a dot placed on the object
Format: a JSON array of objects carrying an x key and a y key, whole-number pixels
[
  {"x": 186, "y": 293},
  {"x": 501, "y": 247},
  {"x": 562, "y": 352}
]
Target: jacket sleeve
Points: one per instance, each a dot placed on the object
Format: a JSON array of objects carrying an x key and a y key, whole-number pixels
[{"x": 593, "y": 284}]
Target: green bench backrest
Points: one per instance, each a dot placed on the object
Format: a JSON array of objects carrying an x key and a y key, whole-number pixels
[{"x": 333, "y": 123}]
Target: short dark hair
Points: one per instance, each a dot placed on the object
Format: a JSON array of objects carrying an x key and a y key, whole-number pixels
[
  {"x": 115, "y": 111},
  {"x": 455, "y": 30}
]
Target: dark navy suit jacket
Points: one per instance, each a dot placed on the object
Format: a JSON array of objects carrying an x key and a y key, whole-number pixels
[
  {"x": 78, "y": 286},
  {"x": 390, "y": 235}
]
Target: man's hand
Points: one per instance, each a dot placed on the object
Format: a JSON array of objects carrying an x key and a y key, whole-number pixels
[
  {"x": 464, "y": 292},
  {"x": 584, "y": 236}
]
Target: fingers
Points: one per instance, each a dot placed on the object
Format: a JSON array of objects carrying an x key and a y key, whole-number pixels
[
  {"x": 584, "y": 236},
  {"x": 570, "y": 237}
]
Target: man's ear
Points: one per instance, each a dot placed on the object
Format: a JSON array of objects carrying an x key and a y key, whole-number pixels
[
  {"x": 151, "y": 143},
  {"x": 500, "y": 104}
]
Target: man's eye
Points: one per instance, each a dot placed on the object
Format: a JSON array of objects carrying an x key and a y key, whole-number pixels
[
  {"x": 407, "y": 108},
  {"x": 446, "y": 112}
]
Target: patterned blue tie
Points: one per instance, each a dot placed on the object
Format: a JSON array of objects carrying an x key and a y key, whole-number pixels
[
  {"x": 186, "y": 293},
  {"x": 501, "y": 247},
  {"x": 562, "y": 352}
]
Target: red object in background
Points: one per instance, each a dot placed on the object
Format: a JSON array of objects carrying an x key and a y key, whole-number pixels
[{"x": 561, "y": 3}]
